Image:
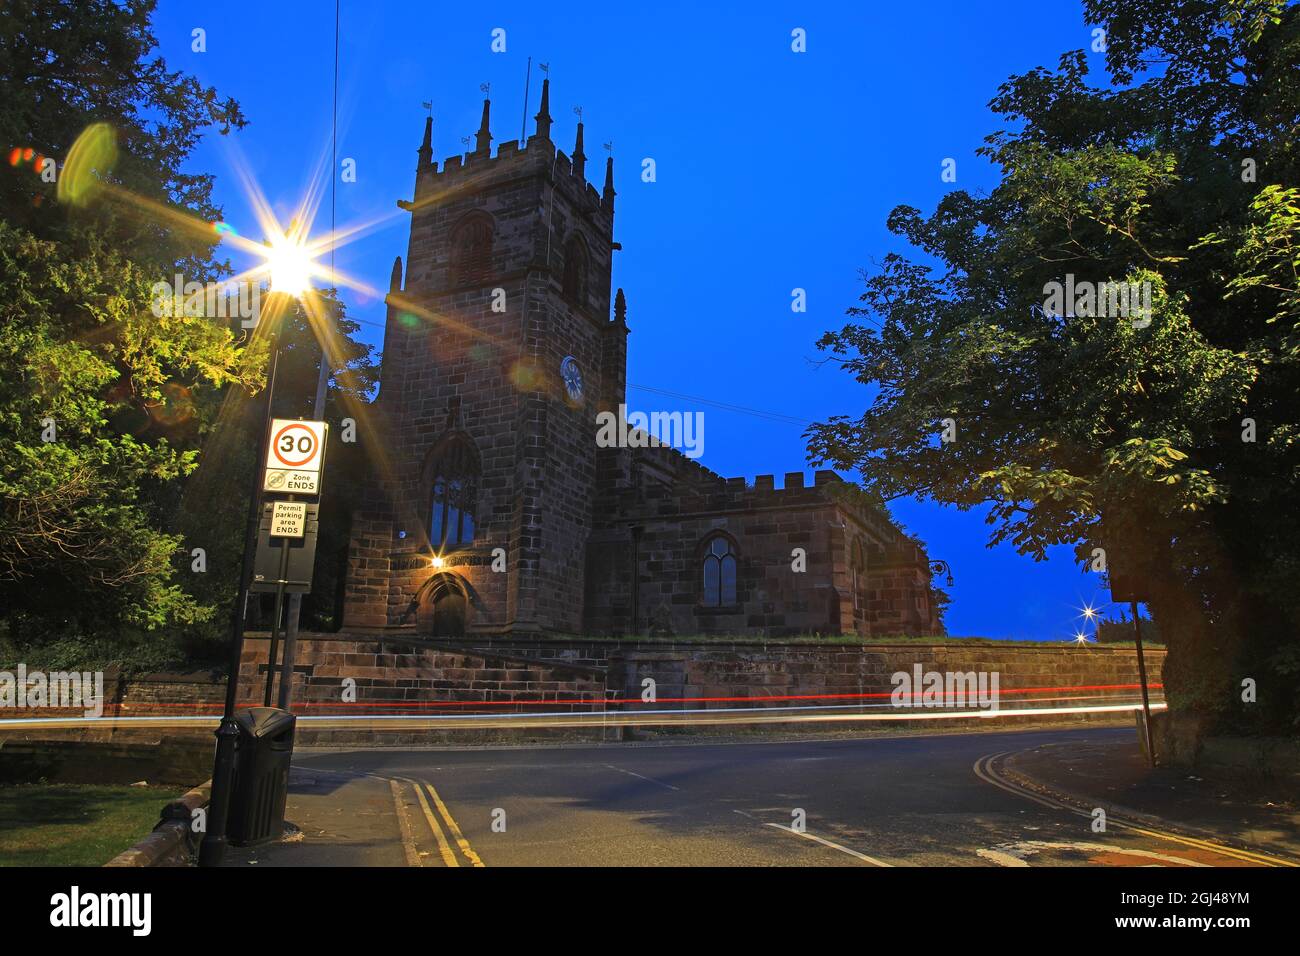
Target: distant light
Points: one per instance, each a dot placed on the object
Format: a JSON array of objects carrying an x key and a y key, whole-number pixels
[{"x": 437, "y": 561}]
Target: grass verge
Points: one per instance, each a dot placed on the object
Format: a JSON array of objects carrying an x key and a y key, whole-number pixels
[{"x": 74, "y": 824}]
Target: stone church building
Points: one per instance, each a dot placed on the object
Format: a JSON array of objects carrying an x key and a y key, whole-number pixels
[{"x": 493, "y": 510}]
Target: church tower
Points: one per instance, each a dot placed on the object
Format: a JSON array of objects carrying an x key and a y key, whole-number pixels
[{"x": 499, "y": 352}]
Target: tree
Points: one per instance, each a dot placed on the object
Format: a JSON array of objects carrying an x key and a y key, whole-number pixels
[
  {"x": 99, "y": 400},
  {"x": 210, "y": 516},
  {"x": 1090, "y": 416}
]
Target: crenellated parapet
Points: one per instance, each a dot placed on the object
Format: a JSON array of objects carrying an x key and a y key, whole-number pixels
[
  {"x": 538, "y": 156},
  {"x": 659, "y": 480}
]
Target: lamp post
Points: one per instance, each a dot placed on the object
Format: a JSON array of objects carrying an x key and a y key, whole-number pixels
[
  {"x": 289, "y": 267},
  {"x": 213, "y": 847},
  {"x": 285, "y": 697}
]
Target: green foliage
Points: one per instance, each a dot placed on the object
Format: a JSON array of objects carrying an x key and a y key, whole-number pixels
[
  {"x": 1119, "y": 630},
  {"x": 124, "y": 651},
  {"x": 1266, "y": 255},
  {"x": 96, "y": 524},
  {"x": 100, "y": 398},
  {"x": 1079, "y": 426}
]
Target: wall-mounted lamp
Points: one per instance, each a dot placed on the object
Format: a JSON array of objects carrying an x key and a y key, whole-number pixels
[{"x": 941, "y": 567}]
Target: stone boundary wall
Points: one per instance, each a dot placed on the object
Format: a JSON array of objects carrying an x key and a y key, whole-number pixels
[
  {"x": 495, "y": 673},
  {"x": 524, "y": 671},
  {"x": 394, "y": 673},
  {"x": 1020, "y": 665},
  {"x": 89, "y": 755},
  {"x": 807, "y": 672},
  {"x": 166, "y": 693}
]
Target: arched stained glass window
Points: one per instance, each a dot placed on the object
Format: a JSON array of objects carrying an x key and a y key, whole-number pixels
[
  {"x": 719, "y": 572},
  {"x": 453, "y": 502}
]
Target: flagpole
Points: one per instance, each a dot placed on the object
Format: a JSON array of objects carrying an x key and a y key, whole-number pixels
[{"x": 523, "y": 125}]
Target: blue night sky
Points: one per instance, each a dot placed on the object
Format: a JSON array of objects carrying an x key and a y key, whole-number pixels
[{"x": 775, "y": 170}]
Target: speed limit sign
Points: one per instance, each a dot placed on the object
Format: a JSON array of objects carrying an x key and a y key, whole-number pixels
[{"x": 293, "y": 458}]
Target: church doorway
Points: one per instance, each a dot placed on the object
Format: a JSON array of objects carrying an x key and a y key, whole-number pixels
[
  {"x": 444, "y": 606},
  {"x": 449, "y": 613}
]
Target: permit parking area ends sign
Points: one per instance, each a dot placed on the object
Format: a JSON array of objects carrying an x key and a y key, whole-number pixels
[{"x": 289, "y": 519}]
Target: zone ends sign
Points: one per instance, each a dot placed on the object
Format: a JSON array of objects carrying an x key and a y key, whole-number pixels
[{"x": 293, "y": 457}]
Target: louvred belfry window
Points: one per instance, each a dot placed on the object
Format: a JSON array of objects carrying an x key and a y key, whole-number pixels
[
  {"x": 576, "y": 265},
  {"x": 471, "y": 250}
]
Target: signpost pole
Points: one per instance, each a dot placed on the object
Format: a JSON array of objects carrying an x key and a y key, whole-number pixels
[
  {"x": 1128, "y": 585},
  {"x": 1142, "y": 676},
  {"x": 275, "y": 620},
  {"x": 295, "y": 599},
  {"x": 294, "y": 464}
]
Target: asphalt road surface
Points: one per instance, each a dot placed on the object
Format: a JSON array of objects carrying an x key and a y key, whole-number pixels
[{"x": 880, "y": 801}]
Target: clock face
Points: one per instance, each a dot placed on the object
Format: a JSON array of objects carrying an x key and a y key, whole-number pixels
[{"x": 572, "y": 377}]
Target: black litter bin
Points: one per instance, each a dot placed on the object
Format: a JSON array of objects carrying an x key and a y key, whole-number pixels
[{"x": 262, "y": 756}]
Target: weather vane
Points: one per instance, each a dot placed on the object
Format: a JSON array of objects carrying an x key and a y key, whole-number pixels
[
  {"x": 578, "y": 110},
  {"x": 428, "y": 105},
  {"x": 466, "y": 139},
  {"x": 608, "y": 147},
  {"x": 486, "y": 88},
  {"x": 545, "y": 68}
]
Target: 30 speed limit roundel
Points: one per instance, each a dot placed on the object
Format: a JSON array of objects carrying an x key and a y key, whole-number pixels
[{"x": 296, "y": 445}]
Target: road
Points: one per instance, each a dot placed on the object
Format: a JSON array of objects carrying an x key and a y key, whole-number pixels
[{"x": 879, "y": 801}]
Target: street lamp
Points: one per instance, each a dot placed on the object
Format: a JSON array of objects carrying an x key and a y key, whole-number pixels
[
  {"x": 1090, "y": 616},
  {"x": 290, "y": 265},
  {"x": 213, "y": 847}
]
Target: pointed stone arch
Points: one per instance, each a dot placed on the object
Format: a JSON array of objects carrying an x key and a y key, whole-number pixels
[{"x": 445, "y": 606}]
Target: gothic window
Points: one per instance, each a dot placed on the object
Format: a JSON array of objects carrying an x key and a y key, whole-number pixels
[
  {"x": 471, "y": 249},
  {"x": 719, "y": 572},
  {"x": 576, "y": 267},
  {"x": 453, "y": 494}
]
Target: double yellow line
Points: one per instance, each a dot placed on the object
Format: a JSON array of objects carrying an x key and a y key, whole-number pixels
[
  {"x": 444, "y": 844},
  {"x": 985, "y": 770}
]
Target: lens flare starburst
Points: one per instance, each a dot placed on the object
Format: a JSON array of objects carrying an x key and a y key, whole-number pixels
[{"x": 289, "y": 265}]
